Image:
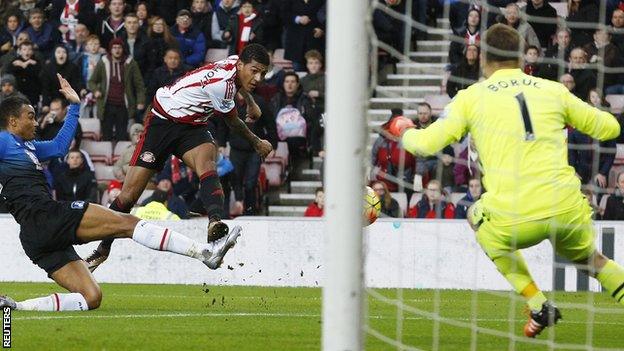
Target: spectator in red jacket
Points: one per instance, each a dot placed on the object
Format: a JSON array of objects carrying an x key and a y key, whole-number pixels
[
  {"x": 432, "y": 204},
  {"x": 315, "y": 209}
]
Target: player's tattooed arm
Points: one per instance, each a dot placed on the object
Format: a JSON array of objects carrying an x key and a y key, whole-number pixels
[
  {"x": 253, "y": 110},
  {"x": 237, "y": 125}
]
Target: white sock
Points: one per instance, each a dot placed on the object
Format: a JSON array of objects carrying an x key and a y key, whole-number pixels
[
  {"x": 165, "y": 239},
  {"x": 55, "y": 302}
]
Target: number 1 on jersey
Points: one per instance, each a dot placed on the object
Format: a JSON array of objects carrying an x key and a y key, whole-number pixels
[{"x": 526, "y": 118}]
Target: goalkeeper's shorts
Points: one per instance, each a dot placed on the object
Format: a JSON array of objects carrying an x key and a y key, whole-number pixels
[{"x": 571, "y": 233}]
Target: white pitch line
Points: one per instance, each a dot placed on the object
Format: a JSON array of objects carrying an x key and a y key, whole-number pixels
[
  {"x": 271, "y": 315},
  {"x": 122, "y": 316}
]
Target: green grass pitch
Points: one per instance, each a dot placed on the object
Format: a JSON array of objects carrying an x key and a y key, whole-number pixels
[{"x": 190, "y": 317}]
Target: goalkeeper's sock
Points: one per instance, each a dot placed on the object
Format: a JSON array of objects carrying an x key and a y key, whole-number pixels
[
  {"x": 514, "y": 268},
  {"x": 534, "y": 296},
  {"x": 611, "y": 277},
  {"x": 55, "y": 302},
  {"x": 165, "y": 239}
]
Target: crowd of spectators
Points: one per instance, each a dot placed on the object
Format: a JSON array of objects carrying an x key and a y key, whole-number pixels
[
  {"x": 580, "y": 49},
  {"x": 117, "y": 53}
]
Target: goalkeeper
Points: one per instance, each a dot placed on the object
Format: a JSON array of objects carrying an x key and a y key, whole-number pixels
[{"x": 517, "y": 123}]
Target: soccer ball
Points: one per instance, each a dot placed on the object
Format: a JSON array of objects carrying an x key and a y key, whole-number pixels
[{"x": 372, "y": 206}]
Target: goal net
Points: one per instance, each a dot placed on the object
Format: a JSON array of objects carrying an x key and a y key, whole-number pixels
[{"x": 428, "y": 284}]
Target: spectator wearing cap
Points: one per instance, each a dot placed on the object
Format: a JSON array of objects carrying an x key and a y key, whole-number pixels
[
  {"x": 120, "y": 168},
  {"x": 220, "y": 19},
  {"x": 60, "y": 64},
  {"x": 156, "y": 209},
  {"x": 7, "y": 85},
  {"x": 118, "y": 86},
  {"x": 243, "y": 28},
  {"x": 113, "y": 190},
  {"x": 191, "y": 41},
  {"x": 113, "y": 26}
]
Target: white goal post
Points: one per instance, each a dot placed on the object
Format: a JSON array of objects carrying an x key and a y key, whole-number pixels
[{"x": 347, "y": 101}]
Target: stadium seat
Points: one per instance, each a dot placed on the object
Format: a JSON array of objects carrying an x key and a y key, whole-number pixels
[
  {"x": 91, "y": 128},
  {"x": 144, "y": 195},
  {"x": 603, "y": 204},
  {"x": 401, "y": 198},
  {"x": 273, "y": 173},
  {"x": 120, "y": 147},
  {"x": 437, "y": 102},
  {"x": 281, "y": 155},
  {"x": 214, "y": 55},
  {"x": 104, "y": 173},
  {"x": 561, "y": 8},
  {"x": 616, "y": 102},
  {"x": 99, "y": 151},
  {"x": 414, "y": 199},
  {"x": 280, "y": 61},
  {"x": 455, "y": 197},
  {"x": 282, "y": 150},
  {"x": 619, "y": 154},
  {"x": 278, "y": 54}
]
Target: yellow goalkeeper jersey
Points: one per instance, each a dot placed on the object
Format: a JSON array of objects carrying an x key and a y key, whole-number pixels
[{"x": 517, "y": 122}]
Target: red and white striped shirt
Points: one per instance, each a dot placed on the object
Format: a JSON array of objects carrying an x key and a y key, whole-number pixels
[{"x": 194, "y": 97}]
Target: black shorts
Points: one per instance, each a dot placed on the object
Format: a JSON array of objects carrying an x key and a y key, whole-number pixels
[
  {"x": 162, "y": 138},
  {"x": 48, "y": 231}
]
